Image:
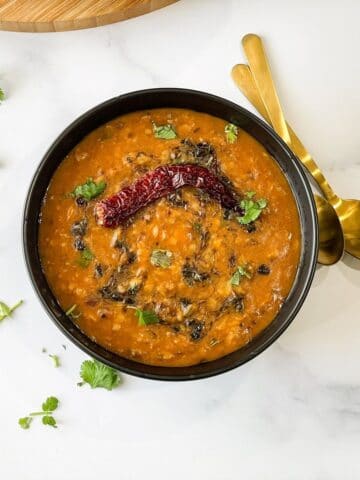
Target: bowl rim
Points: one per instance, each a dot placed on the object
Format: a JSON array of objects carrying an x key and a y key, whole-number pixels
[{"x": 137, "y": 368}]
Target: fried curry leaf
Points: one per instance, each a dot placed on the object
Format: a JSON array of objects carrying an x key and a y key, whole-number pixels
[
  {"x": 231, "y": 132},
  {"x": 161, "y": 258},
  {"x": 88, "y": 190},
  {"x": 165, "y": 132},
  {"x": 146, "y": 317},
  {"x": 252, "y": 208},
  {"x": 239, "y": 274},
  {"x": 86, "y": 256},
  {"x": 98, "y": 375},
  {"x": 6, "y": 311}
]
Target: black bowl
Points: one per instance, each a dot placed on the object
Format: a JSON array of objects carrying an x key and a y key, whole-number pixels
[{"x": 203, "y": 102}]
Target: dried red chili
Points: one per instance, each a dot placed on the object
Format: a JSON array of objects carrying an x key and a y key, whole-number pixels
[{"x": 114, "y": 210}]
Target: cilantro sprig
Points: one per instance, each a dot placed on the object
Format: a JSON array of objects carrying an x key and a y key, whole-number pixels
[
  {"x": 165, "y": 132},
  {"x": 98, "y": 375},
  {"x": 239, "y": 274},
  {"x": 48, "y": 408},
  {"x": 88, "y": 190},
  {"x": 252, "y": 208},
  {"x": 6, "y": 311},
  {"x": 231, "y": 132}
]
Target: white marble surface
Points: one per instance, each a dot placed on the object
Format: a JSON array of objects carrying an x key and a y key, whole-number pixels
[{"x": 293, "y": 412}]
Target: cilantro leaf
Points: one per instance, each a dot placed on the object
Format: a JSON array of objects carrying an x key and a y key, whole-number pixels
[
  {"x": 165, "y": 132},
  {"x": 49, "y": 420},
  {"x": 2, "y": 98},
  {"x": 50, "y": 404},
  {"x": 146, "y": 317},
  {"x": 88, "y": 190},
  {"x": 98, "y": 375},
  {"x": 56, "y": 360},
  {"x": 252, "y": 208},
  {"x": 231, "y": 132},
  {"x": 239, "y": 274},
  {"x": 6, "y": 311},
  {"x": 161, "y": 258},
  {"x": 25, "y": 422},
  {"x": 86, "y": 256}
]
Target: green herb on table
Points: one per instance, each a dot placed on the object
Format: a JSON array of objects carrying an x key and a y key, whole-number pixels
[
  {"x": 98, "y": 375},
  {"x": 48, "y": 408},
  {"x": 2, "y": 95},
  {"x": 161, "y": 258},
  {"x": 165, "y": 132},
  {"x": 56, "y": 360},
  {"x": 252, "y": 208},
  {"x": 231, "y": 133},
  {"x": 6, "y": 311},
  {"x": 88, "y": 190},
  {"x": 72, "y": 314},
  {"x": 239, "y": 274},
  {"x": 25, "y": 422},
  {"x": 86, "y": 256}
]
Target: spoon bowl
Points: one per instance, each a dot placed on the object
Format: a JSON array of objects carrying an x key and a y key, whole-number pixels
[
  {"x": 331, "y": 243},
  {"x": 349, "y": 215}
]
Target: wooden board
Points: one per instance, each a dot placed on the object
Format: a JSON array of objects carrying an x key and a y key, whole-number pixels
[{"x": 59, "y": 15}]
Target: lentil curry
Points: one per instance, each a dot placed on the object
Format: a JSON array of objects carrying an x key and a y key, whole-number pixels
[{"x": 179, "y": 276}]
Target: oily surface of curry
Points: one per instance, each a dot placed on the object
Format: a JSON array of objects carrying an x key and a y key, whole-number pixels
[{"x": 209, "y": 283}]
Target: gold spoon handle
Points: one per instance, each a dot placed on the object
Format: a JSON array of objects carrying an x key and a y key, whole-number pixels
[
  {"x": 260, "y": 68},
  {"x": 262, "y": 85}
]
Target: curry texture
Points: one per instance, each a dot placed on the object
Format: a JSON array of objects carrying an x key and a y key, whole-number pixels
[{"x": 202, "y": 313}]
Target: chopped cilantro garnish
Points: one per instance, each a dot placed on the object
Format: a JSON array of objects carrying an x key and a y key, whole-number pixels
[
  {"x": 161, "y": 258},
  {"x": 86, "y": 256},
  {"x": 165, "y": 132},
  {"x": 6, "y": 311},
  {"x": 252, "y": 208},
  {"x": 48, "y": 407},
  {"x": 231, "y": 132},
  {"x": 89, "y": 189},
  {"x": 49, "y": 420},
  {"x": 146, "y": 317},
  {"x": 25, "y": 422},
  {"x": 56, "y": 360},
  {"x": 238, "y": 275},
  {"x": 50, "y": 404},
  {"x": 98, "y": 375}
]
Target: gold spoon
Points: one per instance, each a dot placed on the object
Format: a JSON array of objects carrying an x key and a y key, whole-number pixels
[
  {"x": 348, "y": 211},
  {"x": 331, "y": 239}
]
